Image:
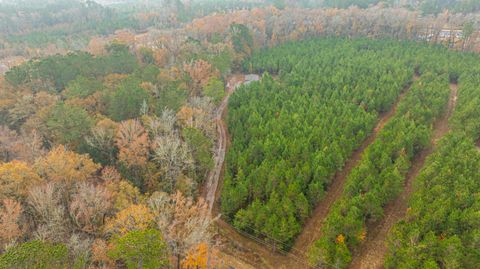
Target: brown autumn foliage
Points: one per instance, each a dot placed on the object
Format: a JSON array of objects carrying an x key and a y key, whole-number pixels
[
  {"x": 96, "y": 46},
  {"x": 99, "y": 254},
  {"x": 9, "y": 220},
  {"x": 8, "y": 94},
  {"x": 89, "y": 206},
  {"x": 132, "y": 142},
  {"x": 172, "y": 42},
  {"x": 110, "y": 174},
  {"x": 111, "y": 81},
  {"x": 124, "y": 36},
  {"x": 161, "y": 57},
  {"x": 200, "y": 73},
  {"x": 270, "y": 26},
  {"x": 93, "y": 103},
  {"x": 186, "y": 115},
  {"x": 29, "y": 147}
]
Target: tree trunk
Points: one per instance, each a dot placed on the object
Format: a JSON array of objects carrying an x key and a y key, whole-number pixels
[{"x": 140, "y": 263}]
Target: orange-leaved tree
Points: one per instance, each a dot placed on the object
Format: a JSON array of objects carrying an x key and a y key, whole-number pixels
[
  {"x": 134, "y": 217},
  {"x": 65, "y": 166},
  {"x": 9, "y": 221},
  {"x": 16, "y": 179},
  {"x": 132, "y": 142},
  {"x": 201, "y": 256}
]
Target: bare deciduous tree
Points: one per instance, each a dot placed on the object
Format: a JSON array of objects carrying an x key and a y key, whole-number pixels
[
  {"x": 79, "y": 247},
  {"x": 163, "y": 125},
  {"x": 8, "y": 141},
  {"x": 183, "y": 222},
  {"x": 46, "y": 203},
  {"x": 199, "y": 113},
  {"x": 102, "y": 139},
  {"x": 205, "y": 120},
  {"x": 30, "y": 147},
  {"x": 24, "y": 147},
  {"x": 88, "y": 207},
  {"x": 173, "y": 156}
]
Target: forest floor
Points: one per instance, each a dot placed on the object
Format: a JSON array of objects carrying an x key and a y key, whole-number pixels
[{"x": 371, "y": 254}]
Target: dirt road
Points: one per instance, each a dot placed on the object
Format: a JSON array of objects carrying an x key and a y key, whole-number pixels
[
  {"x": 371, "y": 254},
  {"x": 214, "y": 175}
]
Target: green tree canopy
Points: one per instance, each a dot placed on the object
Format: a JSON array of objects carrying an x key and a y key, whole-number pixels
[
  {"x": 215, "y": 90},
  {"x": 201, "y": 147},
  {"x": 82, "y": 87},
  {"x": 126, "y": 102},
  {"x": 35, "y": 255},
  {"x": 140, "y": 249},
  {"x": 68, "y": 124}
]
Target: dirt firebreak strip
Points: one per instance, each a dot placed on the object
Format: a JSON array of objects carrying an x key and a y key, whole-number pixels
[
  {"x": 312, "y": 228},
  {"x": 372, "y": 253}
]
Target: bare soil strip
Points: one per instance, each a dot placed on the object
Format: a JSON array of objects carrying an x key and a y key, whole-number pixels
[
  {"x": 371, "y": 254},
  {"x": 254, "y": 251},
  {"x": 214, "y": 175}
]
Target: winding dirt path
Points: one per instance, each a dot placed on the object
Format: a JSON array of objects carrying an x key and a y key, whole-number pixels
[
  {"x": 312, "y": 229},
  {"x": 214, "y": 176},
  {"x": 371, "y": 254}
]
